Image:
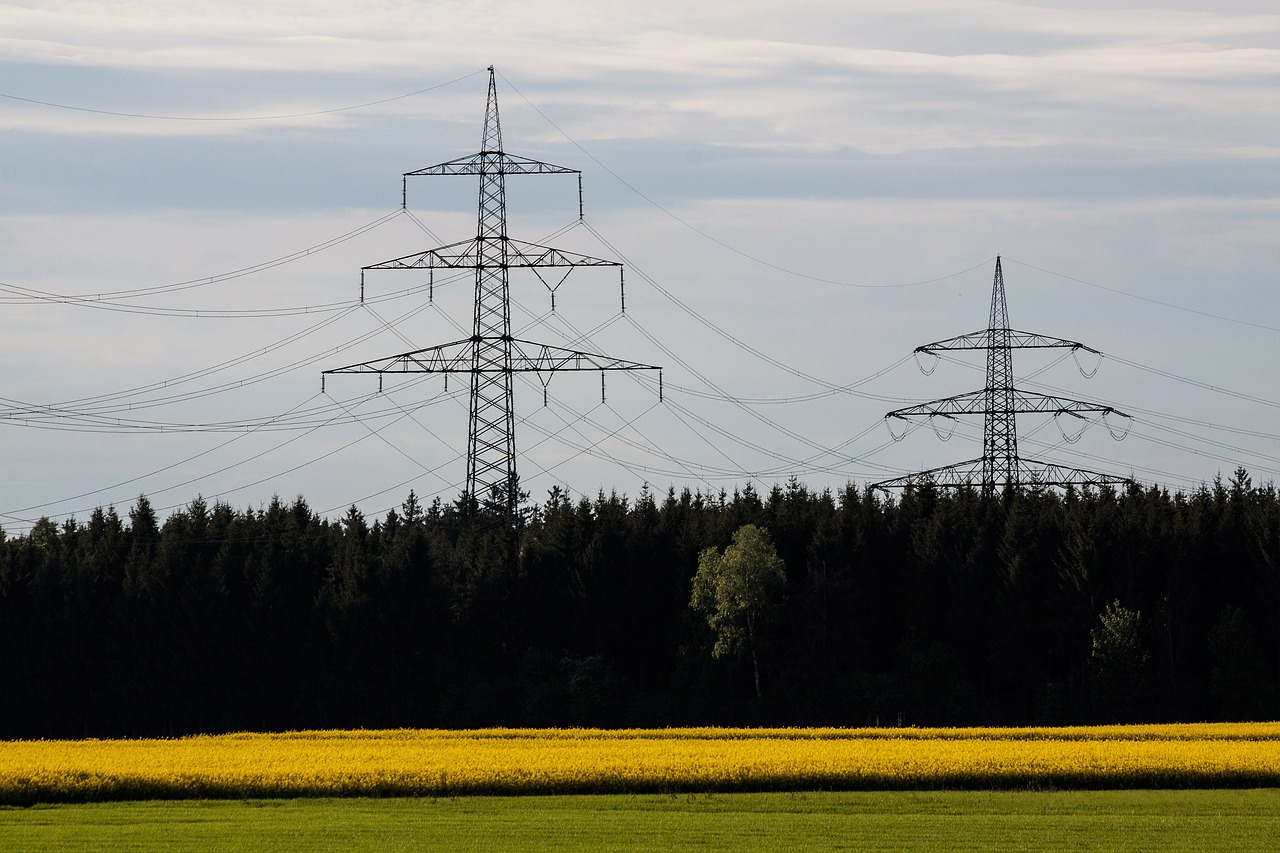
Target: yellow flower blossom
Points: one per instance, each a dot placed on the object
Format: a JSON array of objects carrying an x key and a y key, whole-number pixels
[{"x": 540, "y": 761}]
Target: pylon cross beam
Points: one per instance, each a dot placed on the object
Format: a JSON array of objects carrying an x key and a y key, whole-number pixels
[{"x": 468, "y": 254}]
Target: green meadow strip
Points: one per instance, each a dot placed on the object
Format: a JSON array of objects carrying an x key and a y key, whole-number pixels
[{"x": 1115, "y": 821}]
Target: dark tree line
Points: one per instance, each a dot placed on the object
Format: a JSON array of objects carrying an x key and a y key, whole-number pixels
[{"x": 934, "y": 607}]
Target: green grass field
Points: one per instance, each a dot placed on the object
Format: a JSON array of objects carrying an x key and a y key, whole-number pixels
[{"x": 1164, "y": 821}]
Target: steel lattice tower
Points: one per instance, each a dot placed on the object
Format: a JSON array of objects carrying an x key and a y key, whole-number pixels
[
  {"x": 491, "y": 356},
  {"x": 1000, "y": 403},
  {"x": 1000, "y": 425}
]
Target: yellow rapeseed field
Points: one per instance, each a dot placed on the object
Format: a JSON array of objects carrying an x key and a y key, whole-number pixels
[{"x": 546, "y": 761}]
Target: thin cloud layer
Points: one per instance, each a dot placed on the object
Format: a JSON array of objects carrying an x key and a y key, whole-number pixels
[{"x": 817, "y": 75}]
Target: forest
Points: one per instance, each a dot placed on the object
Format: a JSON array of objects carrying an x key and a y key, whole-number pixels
[{"x": 927, "y": 607}]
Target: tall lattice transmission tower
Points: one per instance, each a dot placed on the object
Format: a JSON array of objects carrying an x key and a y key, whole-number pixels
[
  {"x": 1000, "y": 403},
  {"x": 491, "y": 356}
]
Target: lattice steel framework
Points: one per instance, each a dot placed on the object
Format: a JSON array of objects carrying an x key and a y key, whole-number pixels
[
  {"x": 491, "y": 355},
  {"x": 1000, "y": 403}
]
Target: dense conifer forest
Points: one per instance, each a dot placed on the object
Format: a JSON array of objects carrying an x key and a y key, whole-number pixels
[{"x": 931, "y": 607}]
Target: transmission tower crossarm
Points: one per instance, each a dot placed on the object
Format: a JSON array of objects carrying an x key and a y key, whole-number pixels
[
  {"x": 1034, "y": 472},
  {"x": 460, "y": 255},
  {"x": 978, "y": 403},
  {"x": 973, "y": 403},
  {"x": 471, "y": 254},
  {"x": 955, "y": 475},
  {"x": 1016, "y": 339},
  {"x": 1030, "y": 401},
  {"x": 1031, "y": 472},
  {"x": 530, "y": 357},
  {"x": 526, "y": 357},
  {"x": 455, "y": 357},
  {"x": 523, "y": 254},
  {"x": 490, "y": 162}
]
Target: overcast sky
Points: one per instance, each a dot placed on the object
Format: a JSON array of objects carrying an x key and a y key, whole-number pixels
[{"x": 802, "y": 197}]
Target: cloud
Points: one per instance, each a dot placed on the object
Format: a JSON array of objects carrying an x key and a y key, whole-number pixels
[
  {"x": 862, "y": 142},
  {"x": 820, "y": 77},
  {"x": 370, "y": 36}
]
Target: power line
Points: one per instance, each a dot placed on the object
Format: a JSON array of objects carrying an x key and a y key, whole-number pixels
[
  {"x": 162, "y": 117},
  {"x": 95, "y": 410},
  {"x": 718, "y": 241},
  {"x": 149, "y": 474},
  {"x": 1172, "y": 417},
  {"x": 193, "y": 479},
  {"x": 1239, "y": 395},
  {"x": 779, "y": 268},
  {"x": 720, "y": 395},
  {"x": 32, "y": 295},
  {"x": 1147, "y": 298},
  {"x": 104, "y": 404}
]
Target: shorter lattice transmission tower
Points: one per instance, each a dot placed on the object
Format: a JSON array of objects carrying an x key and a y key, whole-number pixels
[
  {"x": 999, "y": 404},
  {"x": 492, "y": 356}
]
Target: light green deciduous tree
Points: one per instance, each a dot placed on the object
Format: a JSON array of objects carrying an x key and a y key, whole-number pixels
[{"x": 739, "y": 592}]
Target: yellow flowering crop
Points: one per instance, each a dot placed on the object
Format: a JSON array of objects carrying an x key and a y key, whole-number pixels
[{"x": 535, "y": 761}]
